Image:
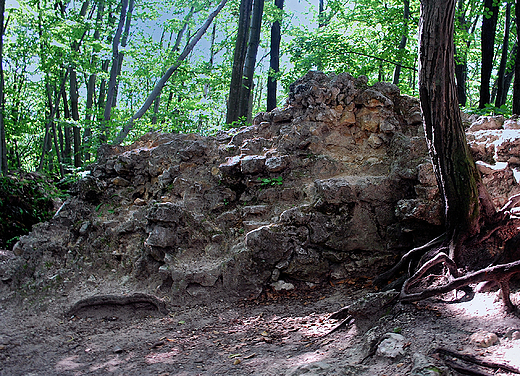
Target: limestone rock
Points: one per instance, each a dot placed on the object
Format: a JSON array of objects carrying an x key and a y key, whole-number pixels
[
  {"x": 483, "y": 339},
  {"x": 391, "y": 346}
]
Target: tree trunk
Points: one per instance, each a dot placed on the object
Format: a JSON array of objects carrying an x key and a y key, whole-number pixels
[
  {"x": 239, "y": 57},
  {"x": 172, "y": 51},
  {"x": 244, "y": 108},
  {"x": 274, "y": 65},
  {"x": 487, "y": 41},
  {"x": 3, "y": 144},
  {"x": 162, "y": 81},
  {"x": 67, "y": 149},
  {"x": 321, "y": 13},
  {"x": 74, "y": 105},
  {"x": 457, "y": 176},
  {"x": 404, "y": 39},
  {"x": 461, "y": 64},
  {"x": 121, "y": 55},
  {"x": 114, "y": 70},
  {"x": 516, "y": 84},
  {"x": 501, "y": 79}
]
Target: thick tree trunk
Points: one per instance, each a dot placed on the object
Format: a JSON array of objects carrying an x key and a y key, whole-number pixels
[
  {"x": 487, "y": 41},
  {"x": 457, "y": 176},
  {"x": 404, "y": 39},
  {"x": 244, "y": 20},
  {"x": 501, "y": 79},
  {"x": 274, "y": 65},
  {"x": 244, "y": 108}
]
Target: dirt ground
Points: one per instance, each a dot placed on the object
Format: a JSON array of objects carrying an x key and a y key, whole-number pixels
[{"x": 277, "y": 334}]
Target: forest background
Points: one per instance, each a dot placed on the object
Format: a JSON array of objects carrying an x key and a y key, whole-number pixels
[{"x": 76, "y": 73}]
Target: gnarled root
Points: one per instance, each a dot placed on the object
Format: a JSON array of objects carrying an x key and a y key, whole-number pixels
[
  {"x": 499, "y": 273},
  {"x": 417, "y": 252}
]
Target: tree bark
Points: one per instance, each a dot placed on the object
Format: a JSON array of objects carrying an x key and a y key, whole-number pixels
[
  {"x": 457, "y": 176},
  {"x": 404, "y": 39},
  {"x": 487, "y": 41},
  {"x": 162, "y": 81},
  {"x": 244, "y": 107},
  {"x": 239, "y": 57},
  {"x": 274, "y": 64},
  {"x": 501, "y": 78}
]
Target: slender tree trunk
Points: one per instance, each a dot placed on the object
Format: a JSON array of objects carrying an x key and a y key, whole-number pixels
[
  {"x": 124, "y": 40},
  {"x": 244, "y": 108},
  {"x": 162, "y": 81},
  {"x": 3, "y": 144},
  {"x": 487, "y": 41},
  {"x": 239, "y": 57},
  {"x": 404, "y": 39},
  {"x": 516, "y": 84},
  {"x": 274, "y": 64},
  {"x": 321, "y": 13},
  {"x": 173, "y": 50},
  {"x": 115, "y": 63},
  {"x": 457, "y": 176},
  {"x": 67, "y": 138},
  {"x": 461, "y": 63},
  {"x": 501, "y": 79},
  {"x": 74, "y": 105},
  {"x": 91, "y": 86},
  {"x": 53, "y": 109}
]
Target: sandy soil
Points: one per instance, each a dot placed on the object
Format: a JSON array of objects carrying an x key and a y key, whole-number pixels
[{"x": 277, "y": 334}]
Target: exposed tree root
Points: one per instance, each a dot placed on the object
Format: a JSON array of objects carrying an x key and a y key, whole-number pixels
[
  {"x": 494, "y": 236},
  {"x": 499, "y": 273},
  {"x": 471, "y": 365},
  {"x": 118, "y": 300},
  {"x": 343, "y": 324},
  {"x": 410, "y": 255}
]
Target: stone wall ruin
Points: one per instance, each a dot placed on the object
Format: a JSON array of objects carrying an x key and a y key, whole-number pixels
[{"x": 335, "y": 185}]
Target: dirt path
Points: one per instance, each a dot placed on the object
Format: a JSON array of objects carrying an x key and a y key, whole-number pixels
[{"x": 275, "y": 335}]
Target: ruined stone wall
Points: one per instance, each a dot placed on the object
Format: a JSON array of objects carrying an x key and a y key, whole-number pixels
[{"x": 334, "y": 185}]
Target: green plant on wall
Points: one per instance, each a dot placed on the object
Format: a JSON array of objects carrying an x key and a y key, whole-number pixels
[{"x": 264, "y": 182}]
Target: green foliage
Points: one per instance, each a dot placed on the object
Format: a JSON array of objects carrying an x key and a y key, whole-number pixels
[
  {"x": 24, "y": 201},
  {"x": 270, "y": 181},
  {"x": 43, "y": 41},
  {"x": 361, "y": 38},
  {"x": 489, "y": 109}
]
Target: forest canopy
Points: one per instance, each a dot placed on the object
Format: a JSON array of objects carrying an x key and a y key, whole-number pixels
[{"x": 75, "y": 72}]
